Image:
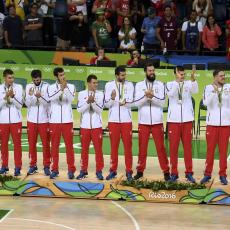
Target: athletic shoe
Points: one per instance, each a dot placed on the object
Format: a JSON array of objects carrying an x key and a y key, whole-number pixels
[
  {"x": 223, "y": 180},
  {"x": 32, "y": 170},
  {"x": 4, "y": 170},
  {"x": 47, "y": 171},
  {"x": 167, "y": 177},
  {"x": 17, "y": 171},
  {"x": 174, "y": 178},
  {"x": 99, "y": 175},
  {"x": 82, "y": 175},
  {"x": 190, "y": 178},
  {"x": 138, "y": 175},
  {"x": 205, "y": 179},
  {"x": 70, "y": 175},
  {"x": 54, "y": 174},
  {"x": 111, "y": 175},
  {"x": 129, "y": 176}
]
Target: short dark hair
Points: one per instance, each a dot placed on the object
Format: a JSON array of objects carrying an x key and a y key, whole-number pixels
[
  {"x": 36, "y": 73},
  {"x": 7, "y": 72},
  {"x": 90, "y": 77},
  {"x": 178, "y": 68},
  {"x": 119, "y": 69},
  {"x": 148, "y": 64},
  {"x": 216, "y": 72},
  {"x": 58, "y": 70},
  {"x": 33, "y": 4}
]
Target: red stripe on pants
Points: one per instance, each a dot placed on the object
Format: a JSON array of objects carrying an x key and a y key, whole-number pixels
[
  {"x": 33, "y": 130},
  {"x": 217, "y": 135},
  {"x": 183, "y": 132},
  {"x": 15, "y": 130},
  {"x": 96, "y": 136},
  {"x": 143, "y": 138},
  {"x": 122, "y": 131},
  {"x": 56, "y": 131}
]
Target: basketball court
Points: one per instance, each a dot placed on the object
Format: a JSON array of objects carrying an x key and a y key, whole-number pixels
[{"x": 63, "y": 213}]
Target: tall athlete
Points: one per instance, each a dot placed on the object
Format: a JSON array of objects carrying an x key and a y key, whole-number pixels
[
  {"x": 119, "y": 98},
  {"x": 217, "y": 99},
  {"x": 61, "y": 94},
  {"x": 90, "y": 105},
  {"x": 11, "y": 101},
  {"x": 37, "y": 102},
  {"x": 180, "y": 118},
  {"x": 150, "y": 99}
]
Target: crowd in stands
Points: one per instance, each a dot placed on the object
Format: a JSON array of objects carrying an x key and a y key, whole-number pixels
[{"x": 150, "y": 25}]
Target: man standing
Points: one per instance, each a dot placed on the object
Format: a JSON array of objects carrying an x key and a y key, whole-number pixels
[
  {"x": 150, "y": 99},
  {"x": 33, "y": 27},
  {"x": 37, "y": 102},
  {"x": 90, "y": 105},
  {"x": 217, "y": 99},
  {"x": 10, "y": 120},
  {"x": 61, "y": 94},
  {"x": 180, "y": 119},
  {"x": 168, "y": 31},
  {"x": 119, "y": 98}
]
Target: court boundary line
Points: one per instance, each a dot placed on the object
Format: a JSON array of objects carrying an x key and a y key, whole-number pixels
[
  {"x": 41, "y": 221},
  {"x": 10, "y": 211},
  {"x": 137, "y": 226}
]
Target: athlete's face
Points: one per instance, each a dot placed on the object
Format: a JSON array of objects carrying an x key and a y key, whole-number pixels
[
  {"x": 37, "y": 81},
  {"x": 150, "y": 73},
  {"x": 180, "y": 76},
  {"x": 9, "y": 79},
  {"x": 121, "y": 76},
  {"x": 92, "y": 85},
  {"x": 220, "y": 78},
  {"x": 61, "y": 77}
]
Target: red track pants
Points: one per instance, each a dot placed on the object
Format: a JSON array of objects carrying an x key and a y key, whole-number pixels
[
  {"x": 15, "y": 130},
  {"x": 158, "y": 136},
  {"x": 122, "y": 131},
  {"x": 33, "y": 130},
  {"x": 56, "y": 131},
  {"x": 217, "y": 135},
  {"x": 96, "y": 136},
  {"x": 183, "y": 132}
]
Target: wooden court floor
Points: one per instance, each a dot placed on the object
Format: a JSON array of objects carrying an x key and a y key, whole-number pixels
[{"x": 60, "y": 213}]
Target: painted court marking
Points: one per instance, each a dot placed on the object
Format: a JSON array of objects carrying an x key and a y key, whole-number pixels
[
  {"x": 10, "y": 211},
  {"x": 41, "y": 221},
  {"x": 137, "y": 226}
]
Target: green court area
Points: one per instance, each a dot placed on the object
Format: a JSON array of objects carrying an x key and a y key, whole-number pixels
[
  {"x": 199, "y": 147},
  {"x": 3, "y": 213}
]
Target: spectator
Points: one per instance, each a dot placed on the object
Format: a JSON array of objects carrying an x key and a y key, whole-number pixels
[
  {"x": 123, "y": 10},
  {"x": 101, "y": 30},
  {"x": 46, "y": 10},
  {"x": 191, "y": 33},
  {"x": 203, "y": 9},
  {"x": 127, "y": 35},
  {"x": 19, "y": 6},
  {"x": 33, "y": 27},
  {"x": 64, "y": 29},
  {"x": 100, "y": 55},
  {"x": 80, "y": 6},
  {"x": 227, "y": 31},
  {"x": 13, "y": 28},
  {"x": 159, "y": 6},
  {"x": 149, "y": 26},
  {"x": 168, "y": 31},
  {"x": 2, "y": 16},
  {"x": 137, "y": 12},
  {"x": 103, "y": 4},
  {"x": 79, "y": 35},
  {"x": 211, "y": 34},
  {"x": 135, "y": 60}
]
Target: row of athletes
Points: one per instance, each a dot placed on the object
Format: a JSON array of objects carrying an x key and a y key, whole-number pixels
[{"x": 49, "y": 115}]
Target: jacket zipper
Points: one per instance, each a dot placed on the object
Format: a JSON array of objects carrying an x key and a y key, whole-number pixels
[
  {"x": 61, "y": 113},
  {"x": 220, "y": 116},
  {"x": 9, "y": 116},
  {"x": 181, "y": 113},
  {"x": 38, "y": 114},
  {"x": 150, "y": 107},
  {"x": 119, "y": 105}
]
